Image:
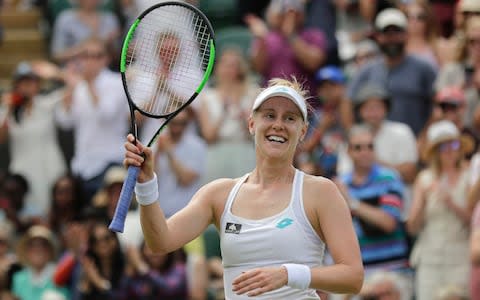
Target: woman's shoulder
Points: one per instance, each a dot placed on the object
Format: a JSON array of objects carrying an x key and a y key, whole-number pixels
[
  {"x": 215, "y": 194},
  {"x": 218, "y": 188},
  {"x": 318, "y": 185}
]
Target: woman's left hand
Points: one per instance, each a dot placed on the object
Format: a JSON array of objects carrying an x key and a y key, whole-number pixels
[{"x": 261, "y": 280}]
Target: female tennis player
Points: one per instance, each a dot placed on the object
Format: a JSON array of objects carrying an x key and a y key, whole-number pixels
[{"x": 274, "y": 223}]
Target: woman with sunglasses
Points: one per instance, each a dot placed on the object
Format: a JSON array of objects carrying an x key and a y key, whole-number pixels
[{"x": 439, "y": 215}]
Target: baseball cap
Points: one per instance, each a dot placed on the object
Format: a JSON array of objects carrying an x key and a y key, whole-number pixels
[
  {"x": 330, "y": 73},
  {"x": 390, "y": 17},
  {"x": 24, "y": 70},
  {"x": 282, "y": 91}
]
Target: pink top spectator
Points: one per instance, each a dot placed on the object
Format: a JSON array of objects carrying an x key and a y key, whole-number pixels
[{"x": 281, "y": 59}]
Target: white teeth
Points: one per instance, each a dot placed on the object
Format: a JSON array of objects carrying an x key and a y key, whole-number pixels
[{"x": 275, "y": 138}]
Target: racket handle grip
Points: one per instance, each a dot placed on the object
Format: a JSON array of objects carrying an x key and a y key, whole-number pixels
[{"x": 118, "y": 221}]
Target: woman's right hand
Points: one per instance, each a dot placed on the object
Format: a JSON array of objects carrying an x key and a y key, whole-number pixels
[{"x": 140, "y": 156}]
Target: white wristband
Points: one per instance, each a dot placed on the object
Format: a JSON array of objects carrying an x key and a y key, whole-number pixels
[
  {"x": 299, "y": 276},
  {"x": 147, "y": 192}
]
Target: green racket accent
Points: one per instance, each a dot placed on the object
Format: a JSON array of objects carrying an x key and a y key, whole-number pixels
[
  {"x": 211, "y": 61},
  {"x": 123, "y": 60}
]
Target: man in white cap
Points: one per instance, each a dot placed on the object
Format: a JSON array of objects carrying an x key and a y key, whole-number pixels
[{"x": 408, "y": 80}]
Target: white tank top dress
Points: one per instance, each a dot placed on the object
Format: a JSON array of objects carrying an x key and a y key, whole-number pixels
[{"x": 287, "y": 237}]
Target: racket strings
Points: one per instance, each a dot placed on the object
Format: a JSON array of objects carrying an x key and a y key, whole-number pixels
[{"x": 166, "y": 59}]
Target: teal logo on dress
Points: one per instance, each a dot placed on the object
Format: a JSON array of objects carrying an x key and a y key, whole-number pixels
[{"x": 284, "y": 223}]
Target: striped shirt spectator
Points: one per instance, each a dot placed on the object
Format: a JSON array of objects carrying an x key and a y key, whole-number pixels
[
  {"x": 375, "y": 195},
  {"x": 383, "y": 189}
]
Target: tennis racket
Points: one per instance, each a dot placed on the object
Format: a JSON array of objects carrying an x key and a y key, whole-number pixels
[{"x": 167, "y": 58}]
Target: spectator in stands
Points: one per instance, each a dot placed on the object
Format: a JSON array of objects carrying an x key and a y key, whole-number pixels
[
  {"x": 171, "y": 56},
  {"x": 375, "y": 196},
  {"x": 328, "y": 123},
  {"x": 8, "y": 260},
  {"x": 383, "y": 285},
  {"x": 68, "y": 272},
  {"x": 106, "y": 200},
  {"x": 154, "y": 276},
  {"x": 395, "y": 144},
  {"x": 472, "y": 92},
  {"x": 223, "y": 114},
  {"x": 284, "y": 46},
  {"x": 18, "y": 213},
  {"x": 352, "y": 28},
  {"x": 37, "y": 253},
  {"x": 472, "y": 112},
  {"x": 180, "y": 163},
  {"x": 74, "y": 26},
  {"x": 464, "y": 69},
  {"x": 103, "y": 265},
  {"x": 324, "y": 15},
  {"x": 366, "y": 51},
  {"x": 407, "y": 79},
  {"x": 422, "y": 33},
  {"x": 29, "y": 126},
  {"x": 450, "y": 104},
  {"x": 94, "y": 106},
  {"x": 439, "y": 215},
  {"x": 66, "y": 204}
]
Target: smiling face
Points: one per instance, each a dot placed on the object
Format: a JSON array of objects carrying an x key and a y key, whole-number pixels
[{"x": 278, "y": 126}]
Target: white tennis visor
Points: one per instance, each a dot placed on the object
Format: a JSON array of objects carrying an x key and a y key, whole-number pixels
[{"x": 282, "y": 91}]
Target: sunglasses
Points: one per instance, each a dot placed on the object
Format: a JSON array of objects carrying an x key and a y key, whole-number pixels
[
  {"x": 360, "y": 147},
  {"x": 448, "y": 106},
  {"x": 449, "y": 146}
]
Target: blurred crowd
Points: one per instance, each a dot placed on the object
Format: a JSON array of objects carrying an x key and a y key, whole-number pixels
[{"x": 394, "y": 112}]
